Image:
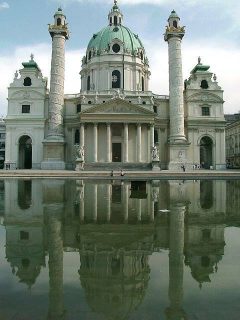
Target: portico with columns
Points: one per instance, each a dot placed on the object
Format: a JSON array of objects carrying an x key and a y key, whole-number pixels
[{"x": 117, "y": 132}]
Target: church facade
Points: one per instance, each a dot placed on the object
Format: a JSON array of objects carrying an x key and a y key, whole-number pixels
[{"x": 115, "y": 120}]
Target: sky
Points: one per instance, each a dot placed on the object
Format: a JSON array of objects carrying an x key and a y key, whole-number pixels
[{"x": 212, "y": 32}]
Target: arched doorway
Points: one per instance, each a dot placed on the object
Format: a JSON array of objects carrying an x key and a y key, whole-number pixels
[
  {"x": 206, "y": 149},
  {"x": 25, "y": 152}
]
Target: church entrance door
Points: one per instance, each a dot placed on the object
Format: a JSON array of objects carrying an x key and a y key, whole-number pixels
[
  {"x": 25, "y": 152},
  {"x": 206, "y": 146},
  {"x": 116, "y": 152}
]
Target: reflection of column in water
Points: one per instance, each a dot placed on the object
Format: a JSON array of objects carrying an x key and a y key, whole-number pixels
[
  {"x": 109, "y": 187},
  {"x": 125, "y": 201},
  {"x": 55, "y": 248},
  {"x": 176, "y": 246},
  {"x": 95, "y": 200},
  {"x": 139, "y": 210},
  {"x": 150, "y": 202},
  {"x": 80, "y": 188}
]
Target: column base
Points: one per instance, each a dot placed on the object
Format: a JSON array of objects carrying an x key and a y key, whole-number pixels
[
  {"x": 178, "y": 157},
  {"x": 155, "y": 165},
  {"x": 79, "y": 165},
  {"x": 53, "y": 155}
]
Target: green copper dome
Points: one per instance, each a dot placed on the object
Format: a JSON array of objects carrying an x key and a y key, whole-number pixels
[{"x": 102, "y": 40}]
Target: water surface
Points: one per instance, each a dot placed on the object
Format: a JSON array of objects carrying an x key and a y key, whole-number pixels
[{"x": 76, "y": 249}]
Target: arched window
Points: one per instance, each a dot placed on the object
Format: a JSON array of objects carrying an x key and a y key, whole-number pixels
[
  {"x": 204, "y": 84},
  {"x": 27, "y": 82},
  {"x": 77, "y": 137},
  {"x": 110, "y": 21},
  {"x": 155, "y": 136},
  {"x": 115, "y": 20},
  {"x": 143, "y": 87},
  {"x": 89, "y": 55},
  {"x": 120, "y": 20},
  {"x": 79, "y": 108},
  {"x": 155, "y": 109},
  {"x": 116, "y": 79},
  {"x": 59, "y": 21},
  {"x": 88, "y": 83},
  {"x": 175, "y": 24},
  {"x": 141, "y": 55}
]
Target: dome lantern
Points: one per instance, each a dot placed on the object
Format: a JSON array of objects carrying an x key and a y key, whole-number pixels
[{"x": 115, "y": 17}]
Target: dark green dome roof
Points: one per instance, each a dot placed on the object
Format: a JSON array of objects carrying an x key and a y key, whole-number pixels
[{"x": 104, "y": 38}]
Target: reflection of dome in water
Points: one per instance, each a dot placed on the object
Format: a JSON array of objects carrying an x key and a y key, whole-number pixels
[
  {"x": 25, "y": 261},
  {"x": 119, "y": 287},
  {"x": 115, "y": 280},
  {"x": 28, "y": 274},
  {"x": 203, "y": 266},
  {"x": 27, "y": 271}
]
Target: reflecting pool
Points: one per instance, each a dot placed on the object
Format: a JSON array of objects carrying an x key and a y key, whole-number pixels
[{"x": 124, "y": 250}]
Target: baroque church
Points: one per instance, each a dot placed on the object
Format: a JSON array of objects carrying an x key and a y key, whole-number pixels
[{"x": 115, "y": 121}]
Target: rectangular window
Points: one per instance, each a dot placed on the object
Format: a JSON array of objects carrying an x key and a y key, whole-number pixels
[
  {"x": 25, "y": 108},
  {"x": 205, "y": 111},
  {"x": 79, "y": 108}
]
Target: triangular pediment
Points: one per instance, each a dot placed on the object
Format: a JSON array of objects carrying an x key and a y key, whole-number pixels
[
  {"x": 117, "y": 106},
  {"x": 204, "y": 97}
]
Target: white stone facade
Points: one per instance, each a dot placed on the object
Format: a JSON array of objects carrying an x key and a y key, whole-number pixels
[{"x": 115, "y": 117}]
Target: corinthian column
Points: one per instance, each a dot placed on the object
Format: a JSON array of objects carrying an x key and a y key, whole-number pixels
[
  {"x": 126, "y": 142},
  {"x": 95, "y": 142}
]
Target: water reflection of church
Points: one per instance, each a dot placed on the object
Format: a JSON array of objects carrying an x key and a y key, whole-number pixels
[{"x": 115, "y": 227}]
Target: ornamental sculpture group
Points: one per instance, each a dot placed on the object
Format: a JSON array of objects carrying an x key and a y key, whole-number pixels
[
  {"x": 80, "y": 154},
  {"x": 155, "y": 159}
]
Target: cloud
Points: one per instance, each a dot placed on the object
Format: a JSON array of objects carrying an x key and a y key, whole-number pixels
[
  {"x": 4, "y": 5},
  {"x": 10, "y": 63},
  {"x": 223, "y": 59}
]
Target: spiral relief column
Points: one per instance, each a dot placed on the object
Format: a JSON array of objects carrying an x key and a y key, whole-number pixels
[
  {"x": 54, "y": 142},
  {"x": 177, "y": 140}
]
